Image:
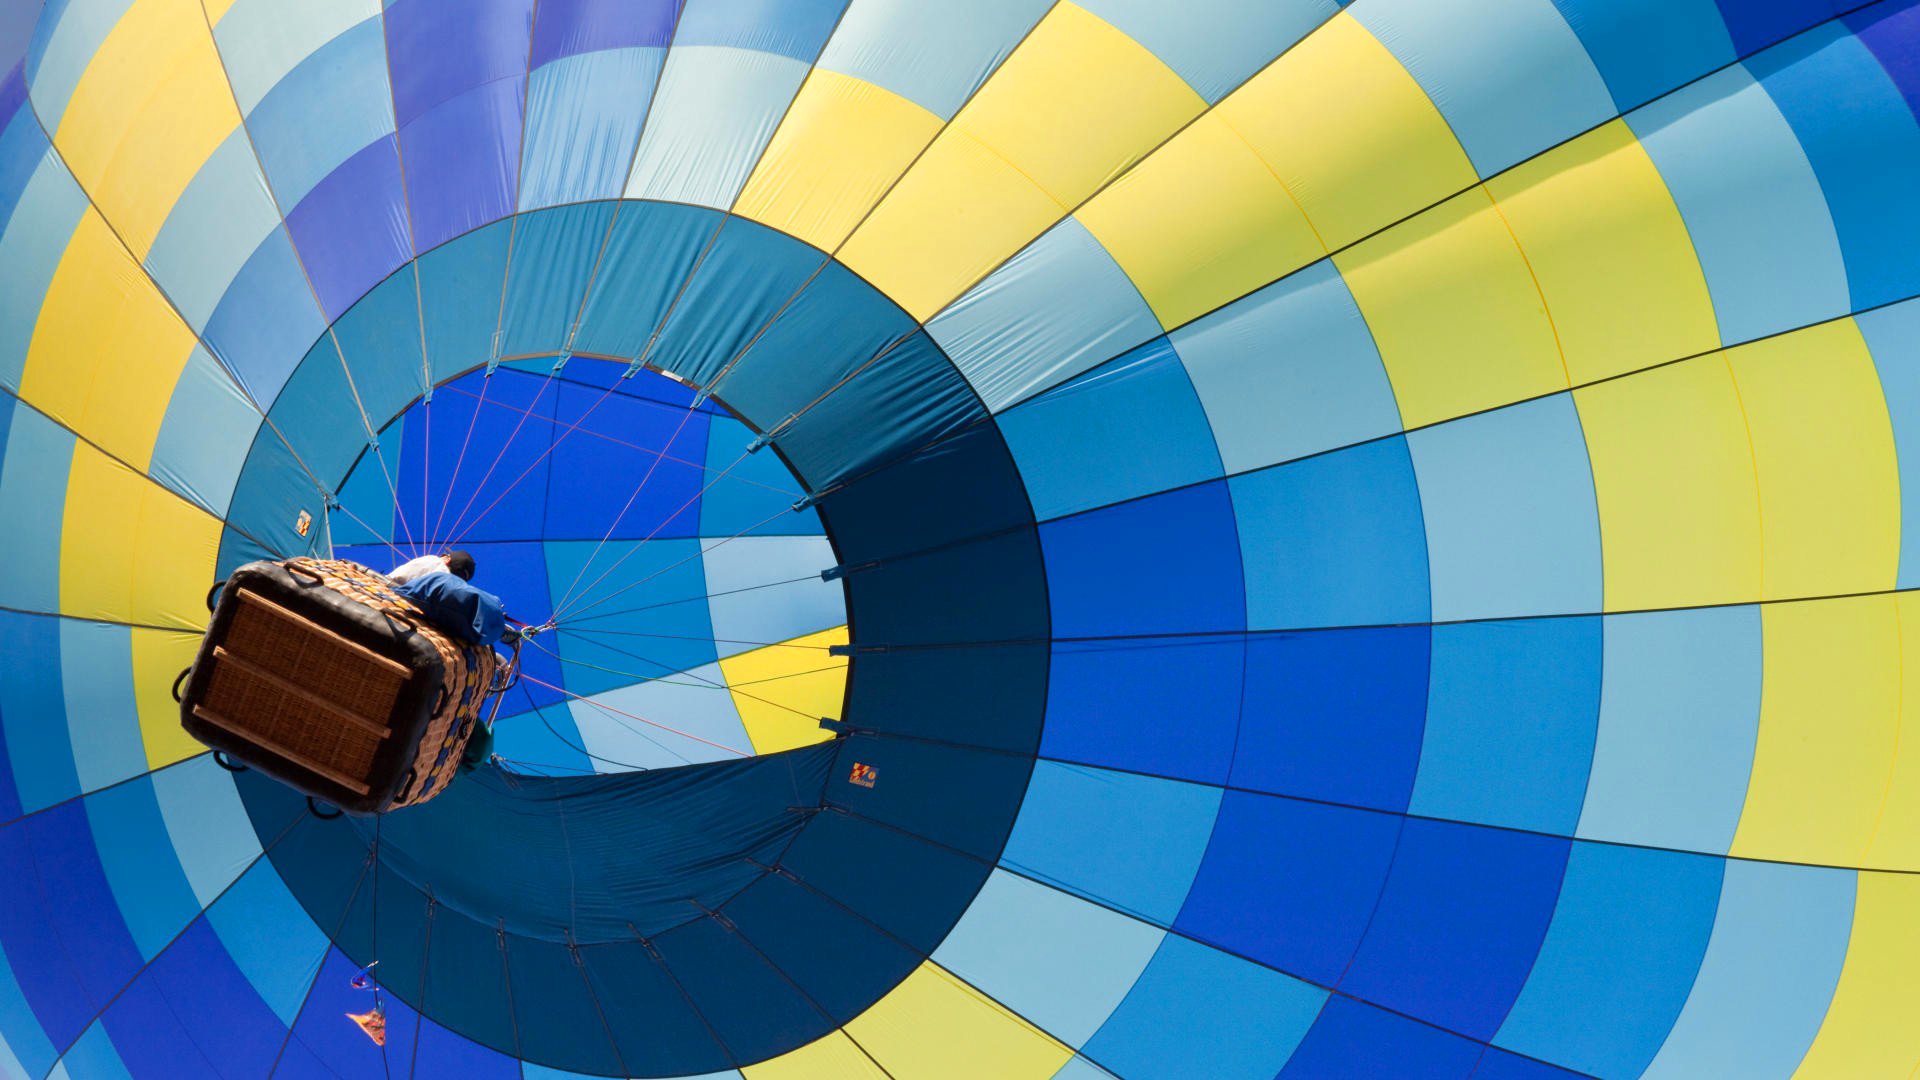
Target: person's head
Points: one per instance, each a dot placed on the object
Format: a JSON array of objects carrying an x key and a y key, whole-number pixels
[{"x": 460, "y": 565}]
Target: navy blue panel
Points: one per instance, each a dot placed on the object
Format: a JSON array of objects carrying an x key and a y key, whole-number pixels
[
  {"x": 748, "y": 273},
  {"x": 570, "y": 27},
  {"x": 351, "y": 229},
  {"x": 81, "y": 910},
  {"x": 337, "y": 1043},
  {"x": 1501, "y": 1065},
  {"x": 501, "y": 483},
  {"x": 905, "y": 401},
  {"x": 1355, "y": 1041},
  {"x": 951, "y": 795},
  {"x": 907, "y": 886},
  {"x": 216, "y": 1005},
  {"x": 1335, "y": 714},
  {"x": 438, "y": 49},
  {"x": 466, "y": 980},
  {"x": 755, "y": 1011},
  {"x": 841, "y": 962},
  {"x": 558, "y": 1020},
  {"x": 1168, "y": 706},
  {"x": 609, "y": 476},
  {"x": 1289, "y": 883},
  {"x": 650, "y": 250},
  {"x": 987, "y": 696},
  {"x": 1892, "y": 32},
  {"x": 46, "y": 977},
  {"x": 962, "y": 487},
  {"x": 654, "y": 1026},
  {"x": 1165, "y": 564},
  {"x": 988, "y": 591},
  {"x": 152, "y": 1039},
  {"x": 455, "y": 1055},
  {"x": 1459, "y": 924},
  {"x": 1756, "y": 24},
  {"x": 462, "y": 161}
]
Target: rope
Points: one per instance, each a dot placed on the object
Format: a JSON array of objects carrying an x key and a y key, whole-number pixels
[{"x": 631, "y": 716}]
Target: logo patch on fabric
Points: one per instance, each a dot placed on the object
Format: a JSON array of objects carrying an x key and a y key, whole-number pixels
[
  {"x": 863, "y": 775},
  {"x": 303, "y": 523}
]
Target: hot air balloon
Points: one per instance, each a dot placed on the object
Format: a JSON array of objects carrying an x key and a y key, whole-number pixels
[{"x": 1080, "y": 538}]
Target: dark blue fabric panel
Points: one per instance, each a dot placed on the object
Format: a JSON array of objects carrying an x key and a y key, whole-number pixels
[
  {"x": 320, "y": 863},
  {"x": 1167, "y": 706},
  {"x": 794, "y": 28},
  {"x": 80, "y": 907},
  {"x": 439, "y": 49},
  {"x": 460, "y": 288},
  {"x": 23, "y": 146},
  {"x": 13, "y": 94},
  {"x": 1459, "y": 924},
  {"x": 352, "y": 228},
  {"x": 951, "y": 795},
  {"x": 570, "y": 27},
  {"x": 336, "y": 1042},
  {"x": 650, "y": 250},
  {"x": 1498, "y": 1064},
  {"x": 267, "y": 500},
  {"x": 1756, "y": 24},
  {"x": 1355, "y": 1041},
  {"x": 47, "y": 978},
  {"x": 456, "y": 1056},
  {"x": 463, "y": 160},
  {"x": 657, "y": 1031},
  {"x": 748, "y": 273},
  {"x": 553, "y": 256},
  {"x": 839, "y": 961},
  {"x": 1165, "y": 564},
  {"x": 30, "y": 715},
  {"x": 986, "y": 591},
  {"x": 466, "y": 980},
  {"x": 558, "y": 1021},
  {"x": 908, "y": 400},
  {"x": 498, "y": 490},
  {"x": 609, "y": 476},
  {"x": 1335, "y": 714},
  {"x": 1289, "y": 883},
  {"x": 1645, "y": 48},
  {"x": 213, "y": 1002},
  {"x": 989, "y": 697},
  {"x": 962, "y": 487},
  {"x": 152, "y": 1039},
  {"x": 911, "y": 888},
  {"x": 755, "y": 1011},
  {"x": 1892, "y": 31}
]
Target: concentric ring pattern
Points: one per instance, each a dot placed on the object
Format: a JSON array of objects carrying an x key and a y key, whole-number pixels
[{"x": 1368, "y": 537}]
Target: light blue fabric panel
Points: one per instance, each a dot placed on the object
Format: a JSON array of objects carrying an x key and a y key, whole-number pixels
[
  {"x": 1779, "y": 941},
  {"x": 771, "y": 614},
  {"x": 1060, "y": 307},
  {"x": 934, "y": 55},
  {"x": 272, "y": 940},
  {"x": 1509, "y": 75},
  {"x": 204, "y": 438},
  {"x": 584, "y": 114},
  {"x": 211, "y": 833},
  {"x": 1645, "y": 48},
  {"x": 266, "y": 321},
  {"x": 792, "y": 28},
  {"x": 96, "y": 668},
  {"x": 1618, "y": 961},
  {"x": 1215, "y": 45},
  {"x": 33, "y": 488},
  {"x": 1679, "y": 712},
  {"x": 24, "y": 1046},
  {"x": 1756, "y": 214},
  {"x": 1893, "y": 335},
  {"x": 93, "y": 1057},
  {"x": 1512, "y": 527},
  {"x": 1290, "y": 370},
  {"x": 755, "y": 491},
  {"x": 1197, "y": 1011},
  {"x": 136, "y": 853},
  {"x": 712, "y": 116},
  {"x": 697, "y": 703},
  {"x": 1079, "y": 1068},
  {"x": 1127, "y": 428},
  {"x": 327, "y": 109},
  {"x": 262, "y": 40},
  {"x": 36, "y": 236},
  {"x": 63, "y": 46},
  {"x": 30, "y": 712},
  {"x": 1055, "y": 959},
  {"x": 211, "y": 231},
  {"x": 1129, "y": 841}
]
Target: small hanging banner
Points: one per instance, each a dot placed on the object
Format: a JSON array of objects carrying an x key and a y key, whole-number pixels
[{"x": 374, "y": 1024}]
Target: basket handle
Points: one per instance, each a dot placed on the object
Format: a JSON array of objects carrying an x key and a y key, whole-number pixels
[
  {"x": 221, "y": 759},
  {"x": 180, "y": 680},
  {"x": 213, "y": 595},
  {"x": 313, "y": 807},
  {"x": 293, "y": 566}
]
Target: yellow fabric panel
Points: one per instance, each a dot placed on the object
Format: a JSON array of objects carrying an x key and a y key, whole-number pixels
[
  {"x": 1077, "y": 103},
  {"x": 151, "y": 107},
  {"x": 1201, "y": 222},
  {"x": 1823, "y": 447},
  {"x": 1350, "y": 131},
  {"x": 1455, "y": 312},
  {"x": 843, "y": 142},
  {"x": 1673, "y": 477},
  {"x": 956, "y": 215},
  {"x": 798, "y": 675},
  {"x": 1895, "y": 840},
  {"x": 1869, "y": 1030},
  {"x": 1611, "y": 252},
  {"x": 831, "y": 1058},
  {"x": 1829, "y": 715},
  {"x": 934, "y": 1026},
  {"x": 132, "y": 551},
  {"x": 159, "y": 656},
  {"x": 107, "y": 349}
]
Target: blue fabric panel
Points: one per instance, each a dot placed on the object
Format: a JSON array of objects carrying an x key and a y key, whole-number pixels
[
  {"x": 380, "y": 341},
  {"x": 791, "y": 28},
  {"x": 63, "y": 45},
  {"x": 1196, "y": 1011},
  {"x": 460, "y": 289},
  {"x": 1779, "y": 940},
  {"x": 1509, "y": 75},
  {"x": 336, "y": 1043},
  {"x": 840, "y": 961},
  {"x": 209, "y": 831},
  {"x": 1131, "y": 842},
  {"x": 840, "y": 438},
  {"x": 353, "y": 230},
  {"x": 584, "y": 116},
  {"x": 610, "y": 478},
  {"x": 553, "y": 254},
  {"x": 1168, "y": 706},
  {"x": 1889, "y": 31},
  {"x": 204, "y": 438},
  {"x": 466, "y": 979},
  {"x": 310, "y": 411},
  {"x": 1753, "y": 208},
  {"x": 1893, "y": 335},
  {"x": 554, "y": 1015},
  {"x": 1215, "y": 45},
  {"x": 1756, "y": 24},
  {"x": 80, "y": 909},
  {"x": 770, "y": 614},
  {"x": 934, "y": 56},
  {"x": 214, "y": 1004},
  {"x": 952, "y": 795},
  {"x": 33, "y": 487},
  {"x": 906, "y": 886},
  {"x": 990, "y": 697},
  {"x": 1645, "y": 48},
  {"x": 1352, "y": 1040},
  {"x": 1127, "y": 428},
  {"x": 1059, "y": 961},
  {"x": 1162, "y": 564},
  {"x": 1288, "y": 371},
  {"x": 1679, "y": 712},
  {"x": 651, "y": 248},
  {"x": 1335, "y": 540},
  {"x": 261, "y": 41},
  {"x": 323, "y": 111},
  {"x": 137, "y": 857},
  {"x": 96, "y": 1057},
  {"x": 964, "y": 486},
  {"x": 1863, "y": 141},
  {"x": 211, "y": 231},
  {"x": 23, "y": 146},
  {"x": 1335, "y": 715},
  {"x": 1290, "y": 884},
  {"x": 572, "y": 27},
  {"x": 440, "y": 49},
  {"x": 1058, "y": 307},
  {"x": 1618, "y": 961},
  {"x": 36, "y": 237},
  {"x": 757, "y": 489},
  {"x": 748, "y": 273},
  {"x": 1512, "y": 526},
  {"x": 61, "y": 1004},
  {"x": 502, "y": 481},
  {"x": 463, "y": 161},
  {"x": 1511, "y": 714},
  {"x": 23, "y": 1043},
  {"x": 371, "y": 514},
  {"x": 268, "y": 940},
  {"x": 32, "y": 713},
  {"x": 463, "y": 1057},
  {"x": 752, "y": 1010},
  {"x": 712, "y": 115},
  {"x": 1459, "y": 923},
  {"x": 1498, "y": 1064},
  {"x": 265, "y": 320},
  {"x": 637, "y": 641}
]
